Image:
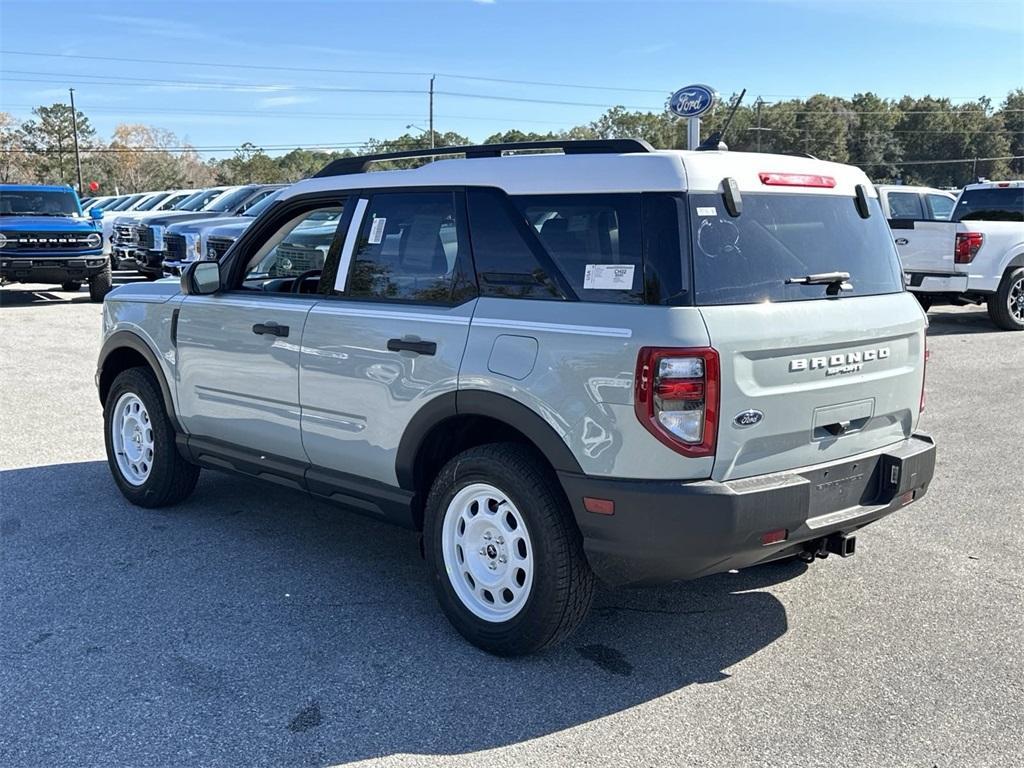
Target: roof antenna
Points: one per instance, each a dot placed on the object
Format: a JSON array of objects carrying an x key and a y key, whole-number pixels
[{"x": 714, "y": 141}]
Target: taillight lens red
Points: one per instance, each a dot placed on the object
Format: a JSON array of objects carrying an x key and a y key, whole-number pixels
[
  {"x": 796, "y": 180},
  {"x": 676, "y": 397},
  {"x": 967, "y": 246}
]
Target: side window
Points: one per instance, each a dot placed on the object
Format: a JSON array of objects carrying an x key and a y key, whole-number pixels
[
  {"x": 299, "y": 247},
  {"x": 941, "y": 207},
  {"x": 905, "y": 205},
  {"x": 408, "y": 249},
  {"x": 594, "y": 239},
  {"x": 506, "y": 264}
]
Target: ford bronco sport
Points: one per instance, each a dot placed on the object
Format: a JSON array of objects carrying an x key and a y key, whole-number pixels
[{"x": 608, "y": 362}]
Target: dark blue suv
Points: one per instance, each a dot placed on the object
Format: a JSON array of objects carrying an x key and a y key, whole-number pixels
[{"x": 45, "y": 238}]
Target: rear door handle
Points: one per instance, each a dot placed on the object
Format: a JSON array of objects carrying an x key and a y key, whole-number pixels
[
  {"x": 406, "y": 345},
  {"x": 270, "y": 329}
]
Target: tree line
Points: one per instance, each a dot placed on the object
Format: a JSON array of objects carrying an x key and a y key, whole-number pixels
[{"x": 923, "y": 140}]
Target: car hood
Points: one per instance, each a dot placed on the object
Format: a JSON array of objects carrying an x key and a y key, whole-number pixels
[
  {"x": 231, "y": 231},
  {"x": 47, "y": 223},
  {"x": 203, "y": 226}
]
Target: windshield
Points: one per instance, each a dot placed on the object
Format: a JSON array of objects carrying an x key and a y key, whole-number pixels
[
  {"x": 151, "y": 202},
  {"x": 747, "y": 259},
  {"x": 263, "y": 204},
  {"x": 38, "y": 202},
  {"x": 230, "y": 200},
  {"x": 990, "y": 204},
  {"x": 125, "y": 203},
  {"x": 200, "y": 200}
]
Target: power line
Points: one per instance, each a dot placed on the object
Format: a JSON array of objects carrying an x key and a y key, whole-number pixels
[
  {"x": 945, "y": 162},
  {"x": 398, "y": 73}
]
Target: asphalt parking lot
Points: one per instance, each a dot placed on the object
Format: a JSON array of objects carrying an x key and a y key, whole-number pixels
[{"x": 253, "y": 626}]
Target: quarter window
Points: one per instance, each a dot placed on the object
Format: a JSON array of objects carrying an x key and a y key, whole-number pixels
[
  {"x": 941, "y": 207},
  {"x": 408, "y": 248},
  {"x": 594, "y": 239}
]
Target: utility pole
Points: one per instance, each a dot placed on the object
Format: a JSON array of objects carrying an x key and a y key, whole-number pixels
[
  {"x": 431, "y": 116},
  {"x": 74, "y": 124},
  {"x": 758, "y": 104}
]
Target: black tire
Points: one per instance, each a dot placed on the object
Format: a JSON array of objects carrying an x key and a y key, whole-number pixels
[
  {"x": 563, "y": 585},
  {"x": 1006, "y": 305},
  {"x": 71, "y": 285},
  {"x": 171, "y": 479},
  {"x": 924, "y": 300},
  {"x": 150, "y": 276},
  {"x": 100, "y": 284}
]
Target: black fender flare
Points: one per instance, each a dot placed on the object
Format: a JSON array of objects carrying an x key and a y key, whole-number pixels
[
  {"x": 129, "y": 340},
  {"x": 1016, "y": 261},
  {"x": 480, "y": 403}
]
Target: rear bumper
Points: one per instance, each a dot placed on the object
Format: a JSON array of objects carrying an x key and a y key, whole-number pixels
[
  {"x": 52, "y": 269},
  {"x": 933, "y": 282},
  {"x": 665, "y": 531}
]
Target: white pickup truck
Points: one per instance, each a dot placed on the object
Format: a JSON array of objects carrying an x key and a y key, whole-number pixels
[{"x": 978, "y": 256}]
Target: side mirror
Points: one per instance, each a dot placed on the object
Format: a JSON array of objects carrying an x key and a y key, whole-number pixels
[
  {"x": 95, "y": 214},
  {"x": 201, "y": 278}
]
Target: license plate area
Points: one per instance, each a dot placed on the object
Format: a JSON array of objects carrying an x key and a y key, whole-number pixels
[{"x": 841, "y": 486}]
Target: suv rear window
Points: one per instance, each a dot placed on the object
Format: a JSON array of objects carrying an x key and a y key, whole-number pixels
[
  {"x": 747, "y": 259},
  {"x": 990, "y": 204}
]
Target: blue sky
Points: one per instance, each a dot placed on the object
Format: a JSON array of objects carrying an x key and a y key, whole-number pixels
[{"x": 630, "y": 53}]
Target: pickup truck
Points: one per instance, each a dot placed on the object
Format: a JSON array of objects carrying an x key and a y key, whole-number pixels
[{"x": 977, "y": 257}]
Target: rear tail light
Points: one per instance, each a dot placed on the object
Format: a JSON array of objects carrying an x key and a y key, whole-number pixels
[
  {"x": 924, "y": 375},
  {"x": 676, "y": 397},
  {"x": 796, "y": 180},
  {"x": 967, "y": 246}
]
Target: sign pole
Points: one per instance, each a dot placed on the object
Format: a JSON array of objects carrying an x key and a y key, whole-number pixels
[{"x": 692, "y": 132}]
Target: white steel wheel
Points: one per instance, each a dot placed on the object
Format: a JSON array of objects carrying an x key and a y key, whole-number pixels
[
  {"x": 487, "y": 552},
  {"x": 131, "y": 433}
]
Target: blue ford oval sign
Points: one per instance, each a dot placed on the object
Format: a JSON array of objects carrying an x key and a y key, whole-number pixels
[{"x": 692, "y": 101}]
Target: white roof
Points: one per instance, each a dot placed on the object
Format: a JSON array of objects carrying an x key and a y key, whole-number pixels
[
  {"x": 659, "y": 171},
  {"x": 995, "y": 184},
  {"x": 910, "y": 188}
]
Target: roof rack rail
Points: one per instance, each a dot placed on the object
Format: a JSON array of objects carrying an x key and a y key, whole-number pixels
[{"x": 360, "y": 163}]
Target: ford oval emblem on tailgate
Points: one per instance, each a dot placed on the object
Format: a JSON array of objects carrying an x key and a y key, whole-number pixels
[{"x": 748, "y": 418}]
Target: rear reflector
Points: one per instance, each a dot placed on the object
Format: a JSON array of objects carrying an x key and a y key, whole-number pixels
[
  {"x": 773, "y": 537},
  {"x": 599, "y": 506},
  {"x": 796, "y": 180}
]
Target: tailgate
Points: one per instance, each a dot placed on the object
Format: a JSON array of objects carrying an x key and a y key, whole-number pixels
[
  {"x": 925, "y": 246},
  {"x": 830, "y": 378}
]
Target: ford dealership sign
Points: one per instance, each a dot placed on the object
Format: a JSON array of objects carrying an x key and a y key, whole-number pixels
[{"x": 692, "y": 101}]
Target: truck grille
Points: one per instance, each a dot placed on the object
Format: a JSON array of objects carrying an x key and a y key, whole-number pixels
[
  {"x": 294, "y": 259},
  {"x": 125, "y": 234},
  {"x": 145, "y": 235},
  {"x": 45, "y": 241},
  {"x": 174, "y": 245},
  {"x": 219, "y": 246}
]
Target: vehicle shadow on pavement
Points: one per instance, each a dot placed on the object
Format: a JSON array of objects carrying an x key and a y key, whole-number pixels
[
  {"x": 21, "y": 295},
  {"x": 252, "y": 625},
  {"x": 955, "y": 321}
]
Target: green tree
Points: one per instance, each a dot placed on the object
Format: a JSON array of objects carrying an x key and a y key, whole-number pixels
[
  {"x": 49, "y": 137},
  {"x": 14, "y": 165},
  {"x": 871, "y": 142},
  {"x": 249, "y": 165},
  {"x": 1012, "y": 113}
]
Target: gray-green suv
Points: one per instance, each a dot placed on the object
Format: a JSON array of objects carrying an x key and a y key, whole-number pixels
[{"x": 611, "y": 361}]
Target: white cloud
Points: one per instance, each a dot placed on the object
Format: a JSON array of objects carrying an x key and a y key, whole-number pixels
[{"x": 283, "y": 101}]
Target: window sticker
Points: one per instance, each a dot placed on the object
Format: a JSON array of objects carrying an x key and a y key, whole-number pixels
[
  {"x": 609, "y": 277},
  {"x": 707, "y": 210},
  {"x": 377, "y": 231}
]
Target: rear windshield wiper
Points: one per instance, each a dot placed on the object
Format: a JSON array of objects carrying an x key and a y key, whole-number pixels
[{"x": 836, "y": 281}]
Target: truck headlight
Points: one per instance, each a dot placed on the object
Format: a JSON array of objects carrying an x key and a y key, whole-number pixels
[
  {"x": 94, "y": 240},
  {"x": 158, "y": 237}
]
